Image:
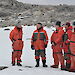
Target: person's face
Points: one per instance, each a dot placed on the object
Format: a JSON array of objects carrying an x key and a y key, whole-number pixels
[
  {"x": 38, "y": 26},
  {"x": 73, "y": 27},
  {"x": 66, "y": 26},
  {"x": 56, "y": 26},
  {"x": 19, "y": 26}
]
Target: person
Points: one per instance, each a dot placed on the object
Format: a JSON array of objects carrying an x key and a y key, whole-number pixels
[
  {"x": 39, "y": 43},
  {"x": 72, "y": 49},
  {"x": 56, "y": 41},
  {"x": 17, "y": 44},
  {"x": 66, "y": 43}
]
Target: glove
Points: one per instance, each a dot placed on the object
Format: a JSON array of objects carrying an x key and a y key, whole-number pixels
[
  {"x": 13, "y": 41},
  {"x": 66, "y": 57},
  {"x": 67, "y": 43},
  {"x": 32, "y": 47},
  {"x": 53, "y": 43},
  {"x": 46, "y": 46}
]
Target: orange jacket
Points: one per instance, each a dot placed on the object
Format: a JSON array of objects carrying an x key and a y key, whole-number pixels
[
  {"x": 69, "y": 32},
  {"x": 57, "y": 39},
  {"x": 57, "y": 35},
  {"x": 16, "y": 38},
  {"x": 72, "y": 43},
  {"x": 39, "y": 39},
  {"x": 66, "y": 43}
]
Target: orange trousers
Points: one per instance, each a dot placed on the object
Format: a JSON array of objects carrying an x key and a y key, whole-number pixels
[
  {"x": 16, "y": 56},
  {"x": 72, "y": 62},
  {"x": 58, "y": 58}
]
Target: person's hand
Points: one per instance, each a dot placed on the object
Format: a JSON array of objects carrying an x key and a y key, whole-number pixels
[
  {"x": 67, "y": 43},
  {"x": 13, "y": 41},
  {"x": 53, "y": 43},
  {"x": 32, "y": 47},
  {"x": 46, "y": 46}
]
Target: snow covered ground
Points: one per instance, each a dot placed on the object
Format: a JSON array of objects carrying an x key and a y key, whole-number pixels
[
  {"x": 27, "y": 56},
  {"x": 48, "y": 2}
]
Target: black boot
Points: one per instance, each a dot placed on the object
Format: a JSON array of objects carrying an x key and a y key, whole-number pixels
[
  {"x": 13, "y": 64},
  {"x": 18, "y": 64},
  {"x": 68, "y": 65},
  {"x": 54, "y": 66},
  {"x": 44, "y": 63},
  {"x": 37, "y": 63},
  {"x": 63, "y": 67}
]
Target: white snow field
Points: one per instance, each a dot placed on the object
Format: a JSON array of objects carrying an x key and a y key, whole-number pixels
[
  {"x": 48, "y": 2},
  {"x": 27, "y": 56}
]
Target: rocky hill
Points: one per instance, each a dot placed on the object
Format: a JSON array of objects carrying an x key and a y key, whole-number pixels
[{"x": 12, "y": 10}]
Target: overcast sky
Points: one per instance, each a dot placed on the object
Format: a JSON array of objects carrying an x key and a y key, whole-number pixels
[{"x": 49, "y": 2}]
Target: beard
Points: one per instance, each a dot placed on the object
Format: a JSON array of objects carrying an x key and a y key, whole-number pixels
[
  {"x": 39, "y": 28},
  {"x": 18, "y": 28}
]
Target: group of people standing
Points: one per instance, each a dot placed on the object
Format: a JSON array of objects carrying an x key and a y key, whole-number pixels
[
  {"x": 63, "y": 45},
  {"x": 62, "y": 40}
]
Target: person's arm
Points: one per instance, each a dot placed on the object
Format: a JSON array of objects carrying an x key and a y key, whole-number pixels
[
  {"x": 69, "y": 33},
  {"x": 11, "y": 35},
  {"x": 46, "y": 38},
  {"x": 46, "y": 41},
  {"x": 60, "y": 34},
  {"x": 32, "y": 42}
]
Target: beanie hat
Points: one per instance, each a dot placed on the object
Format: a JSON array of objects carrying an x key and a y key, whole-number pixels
[
  {"x": 68, "y": 24},
  {"x": 18, "y": 23},
  {"x": 58, "y": 23},
  {"x": 40, "y": 24}
]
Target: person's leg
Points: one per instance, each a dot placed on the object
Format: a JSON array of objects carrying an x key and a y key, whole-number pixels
[
  {"x": 55, "y": 57},
  {"x": 14, "y": 53},
  {"x": 37, "y": 57},
  {"x": 19, "y": 53},
  {"x": 61, "y": 60},
  {"x": 43, "y": 56},
  {"x": 56, "y": 61},
  {"x": 67, "y": 56},
  {"x": 72, "y": 68},
  {"x": 68, "y": 61}
]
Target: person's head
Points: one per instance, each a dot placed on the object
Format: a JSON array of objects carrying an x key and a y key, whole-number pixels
[
  {"x": 73, "y": 24},
  {"x": 39, "y": 25},
  {"x": 18, "y": 25},
  {"x": 58, "y": 24},
  {"x": 67, "y": 24}
]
